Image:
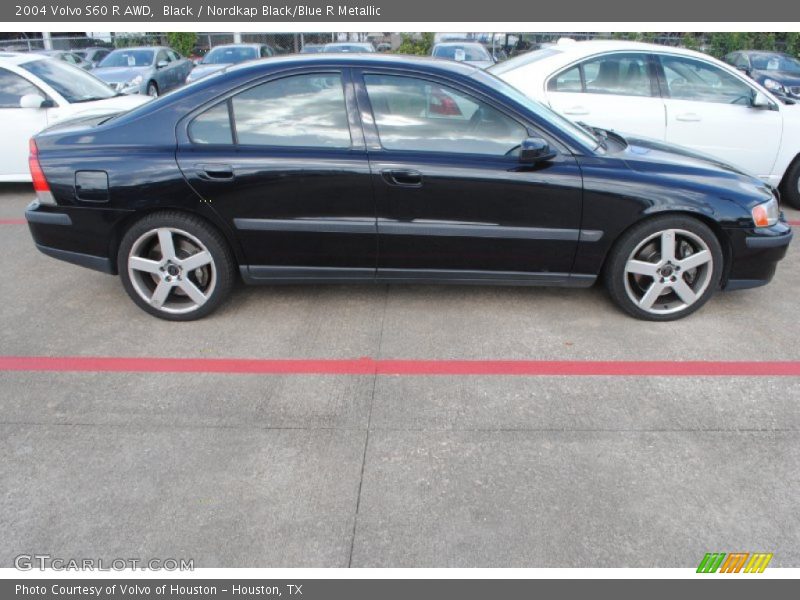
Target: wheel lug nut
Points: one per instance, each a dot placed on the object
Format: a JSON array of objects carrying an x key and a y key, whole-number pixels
[{"x": 673, "y": 278}]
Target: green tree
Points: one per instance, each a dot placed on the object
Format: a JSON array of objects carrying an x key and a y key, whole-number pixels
[
  {"x": 182, "y": 41},
  {"x": 690, "y": 41},
  {"x": 421, "y": 44}
]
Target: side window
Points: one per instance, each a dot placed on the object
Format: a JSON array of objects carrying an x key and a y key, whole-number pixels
[
  {"x": 212, "y": 126},
  {"x": 13, "y": 87},
  {"x": 70, "y": 58},
  {"x": 301, "y": 110},
  {"x": 173, "y": 56},
  {"x": 100, "y": 55},
  {"x": 265, "y": 52},
  {"x": 741, "y": 61},
  {"x": 566, "y": 81},
  {"x": 416, "y": 114},
  {"x": 618, "y": 74},
  {"x": 689, "y": 79},
  {"x": 162, "y": 56}
]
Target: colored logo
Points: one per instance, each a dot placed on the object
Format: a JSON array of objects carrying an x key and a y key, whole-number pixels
[{"x": 735, "y": 562}]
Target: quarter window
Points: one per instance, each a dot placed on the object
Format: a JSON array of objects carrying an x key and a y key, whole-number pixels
[
  {"x": 212, "y": 127},
  {"x": 689, "y": 79},
  {"x": 13, "y": 88},
  {"x": 416, "y": 114}
]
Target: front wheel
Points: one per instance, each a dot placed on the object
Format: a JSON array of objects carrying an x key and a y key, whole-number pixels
[
  {"x": 152, "y": 89},
  {"x": 664, "y": 268},
  {"x": 790, "y": 189},
  {"x": 175, "y": 266}
]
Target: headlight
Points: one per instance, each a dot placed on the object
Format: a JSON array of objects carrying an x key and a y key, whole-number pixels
[
  {"x": 773, "y": 86},
  {"x": 135, "y": 81},
  {"x": 766, "y": 214}
]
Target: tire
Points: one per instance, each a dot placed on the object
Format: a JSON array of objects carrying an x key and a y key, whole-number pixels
[
  {"x": 184, "y": 283},
  {"x": 790, "y": 187},
  {"x": 152, "y": 89},
  {"x": 649, "y": 287}
]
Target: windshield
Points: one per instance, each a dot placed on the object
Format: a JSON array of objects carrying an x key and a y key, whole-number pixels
[
  {"x": 74, "y": 84},
  {"x": 775, "y": 62},
  {"x": 129, "y": 58},
  {"x": 546, "y": 113},
  {"x": 470, "y": 52},
  {"x": 349, "y": 48},
  {"x": 230, "y": 55},
  {"x": 524, "y": 59}
]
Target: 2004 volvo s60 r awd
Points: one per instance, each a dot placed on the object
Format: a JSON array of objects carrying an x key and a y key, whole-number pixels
[{"x": 376, "y": 168}]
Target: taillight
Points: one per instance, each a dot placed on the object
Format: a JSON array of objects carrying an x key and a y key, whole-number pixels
[{"x": 40, "y": 185}]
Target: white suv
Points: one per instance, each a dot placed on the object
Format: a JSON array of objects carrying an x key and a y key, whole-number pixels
[{"x": 670, "y": 94}]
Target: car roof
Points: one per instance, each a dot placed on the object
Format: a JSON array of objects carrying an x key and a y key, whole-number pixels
[
  {"x": 357, "y": 59},
  {"x": 243, "y": 45},
  {"x": 140, "y": 48},
  {"x": 19, "y": 58},
  {"x": 456, "y": 43}
]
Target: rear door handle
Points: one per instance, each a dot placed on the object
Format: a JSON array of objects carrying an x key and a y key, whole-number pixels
[
  {"x": 215, "y": 172},
  {"x": 402, "y": 177},
  {"x": 576, "y": 110},
  {"x": 689, "y": 117}
]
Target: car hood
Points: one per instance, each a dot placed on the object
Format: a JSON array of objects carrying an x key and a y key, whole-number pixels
[
  {"x": 203, "y": 70},
  {"x": 782, "y": 77},
  {"x": 683, "y": 164},
  {"x": 119, "y": 74}
]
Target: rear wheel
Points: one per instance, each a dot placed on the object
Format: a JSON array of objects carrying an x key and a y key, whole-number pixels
[
  {"x": 175, "y": 266},
  {"x": 790, "y": 189},
  {"x": 664, "y": 268}
]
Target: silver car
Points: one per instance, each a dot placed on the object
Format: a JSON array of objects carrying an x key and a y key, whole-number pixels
[
  {"x": 150, "y": 70},
  {"x": 229, "y": 54},
  {"x": 471, "y": 53}
]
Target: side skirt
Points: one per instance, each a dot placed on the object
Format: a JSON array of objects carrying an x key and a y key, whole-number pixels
[{"x": 258, "y": 274}]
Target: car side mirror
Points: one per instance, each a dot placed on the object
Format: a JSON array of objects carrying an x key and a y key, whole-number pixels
[
  {"x": 534, "y": 150},
  {"x": 760, "y": 100},
  {"x": 743, "y": 69},
  {"x": 161, "y": 64},
  {"x": 32, "y": 101}
]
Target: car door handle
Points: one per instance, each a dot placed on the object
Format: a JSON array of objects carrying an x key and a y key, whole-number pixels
[
  {"x": 402, "y": 177},
  {"x": 689, "y": 117},
  {"x": 576, "y": 110},
  {"x": 215, "y": 172}
]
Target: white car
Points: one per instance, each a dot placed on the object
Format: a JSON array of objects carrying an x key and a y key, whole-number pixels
[
  {"x": 671, "y": 94},
  {"x": 37, "y": 91}
]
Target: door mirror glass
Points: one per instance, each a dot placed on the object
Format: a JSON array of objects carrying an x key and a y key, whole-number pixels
[
  {"x": 534, "y": 150},
  {"x": 31, "y": 101}
]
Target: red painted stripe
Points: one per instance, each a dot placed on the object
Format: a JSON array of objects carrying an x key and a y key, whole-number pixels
[
  {"x": 12, "y": 221},
  {"x": 370, "y": 366}
]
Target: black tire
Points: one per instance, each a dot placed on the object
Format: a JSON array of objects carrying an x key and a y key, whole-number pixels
[
  {"x": 189, "y": 236},
  {"x": 152, "y": 89},
  {"x": 643, "y": 245},
  {"x": 790, "y": 187}
]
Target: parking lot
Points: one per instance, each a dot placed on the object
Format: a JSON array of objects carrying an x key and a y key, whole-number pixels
[{"x": 334, "y": 468}]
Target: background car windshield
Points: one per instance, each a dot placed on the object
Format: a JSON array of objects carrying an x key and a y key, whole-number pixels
[
  {"x": 129, "y": 58},
  {"x": 465, "y": 52},
  {"x": 347, "y": 48},
  {"x": 74, "y": 84},
  {"x": 775, "y": 62},
  {"x": 227, "y": 56},
  {"x": 546, "y": 113}
]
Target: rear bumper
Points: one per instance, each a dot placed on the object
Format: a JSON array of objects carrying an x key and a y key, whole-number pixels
[
  {"x": 755, "y": 254},
  {"x": 78, "y": 235}
]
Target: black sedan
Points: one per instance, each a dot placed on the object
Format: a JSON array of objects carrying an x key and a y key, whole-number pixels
[
  {"x": 355, "y": 168},
  {"x": 776, "y": 71}
]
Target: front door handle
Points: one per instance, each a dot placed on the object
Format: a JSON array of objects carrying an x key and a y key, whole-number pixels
[
  {"x": 576, "y": 110},
  {"x": 402, "y": 177},
  {"x": 689, "y": 117},
  {"x": 215, "y": 172}
]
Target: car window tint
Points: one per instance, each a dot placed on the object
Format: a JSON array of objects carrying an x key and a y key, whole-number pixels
[
  {"x": 619, "y": 74},
  {"x": 13, "y": 88},
  {"x": 416, "y": 114},
  {"x": 302, "y": 110},
  {"x": 689, "y": 79},
  {"x": 212, "y": 127},
  {"x": 173, "y": 56},
  {"x": 566, "y": 81}
]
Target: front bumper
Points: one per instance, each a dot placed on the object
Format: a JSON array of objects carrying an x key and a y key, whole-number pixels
[
  {"x": 755, "y": 254},
  {"x": 78, "y": 235}
]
